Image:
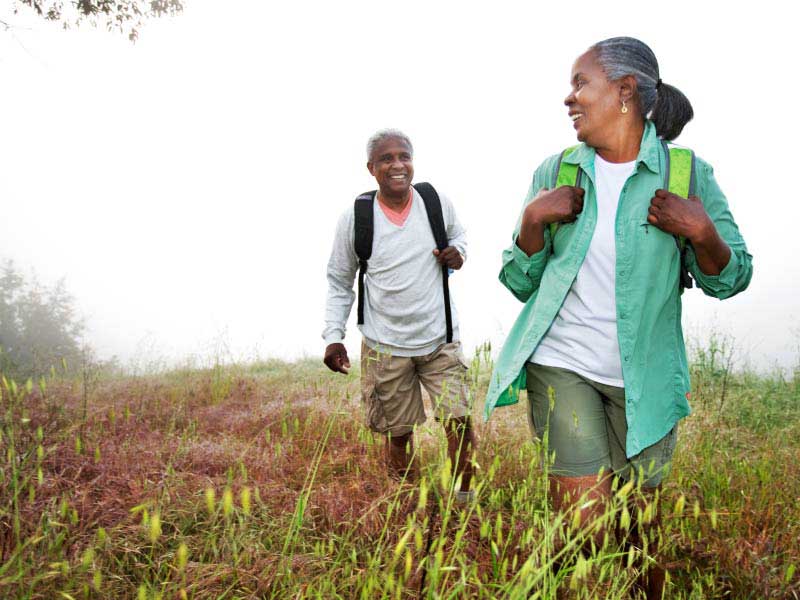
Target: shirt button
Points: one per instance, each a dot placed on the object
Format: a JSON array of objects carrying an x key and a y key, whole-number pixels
[{"x": 626, "y": 358}]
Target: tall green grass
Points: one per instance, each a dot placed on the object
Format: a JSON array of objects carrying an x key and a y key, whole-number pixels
[{"x": 260, "y": 481}]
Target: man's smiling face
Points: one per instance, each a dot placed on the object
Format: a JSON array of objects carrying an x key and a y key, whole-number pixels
[{"x": 392, "y": 166}]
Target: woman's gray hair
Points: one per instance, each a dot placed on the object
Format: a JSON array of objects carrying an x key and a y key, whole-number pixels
[
  {"x": 663, "y": 104},
  {"x": 385, "y": 134}
]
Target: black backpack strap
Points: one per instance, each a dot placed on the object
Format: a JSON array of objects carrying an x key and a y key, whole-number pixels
[
  {"x": 433, "y": 206},
  {"x": 364, "y": 225}
]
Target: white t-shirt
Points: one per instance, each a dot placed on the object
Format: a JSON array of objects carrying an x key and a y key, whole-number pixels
[{"x": 583, "y": 336}]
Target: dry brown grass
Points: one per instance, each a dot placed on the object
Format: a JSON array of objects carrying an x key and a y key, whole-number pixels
[{"x": 156, "y": 443}]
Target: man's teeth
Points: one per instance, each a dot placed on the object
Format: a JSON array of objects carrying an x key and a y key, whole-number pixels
[
  {"x": 398, "y": 177},
  {"x": 576, "y": 116}
]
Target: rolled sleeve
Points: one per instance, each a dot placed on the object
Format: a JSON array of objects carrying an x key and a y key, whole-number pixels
[
  {"x": 736, "y": 275},
  {"x": 533, "y": 263},
  {"x": 521, "y": 274},
  {"x": 734, "y": 278}
]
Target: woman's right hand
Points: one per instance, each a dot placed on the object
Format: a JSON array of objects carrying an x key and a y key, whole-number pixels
[{"x": 561, "y": 205}]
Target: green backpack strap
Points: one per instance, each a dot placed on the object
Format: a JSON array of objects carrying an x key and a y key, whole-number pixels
[
  {"x": 679, "y": 178},
  {"x": 566, "y": 174}
]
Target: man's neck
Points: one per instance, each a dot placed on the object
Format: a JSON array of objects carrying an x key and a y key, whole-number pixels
[{"x": 395, "y": 203}]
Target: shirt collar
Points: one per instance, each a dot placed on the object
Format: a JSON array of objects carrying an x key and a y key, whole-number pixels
[{"x": 583, "y": 155}]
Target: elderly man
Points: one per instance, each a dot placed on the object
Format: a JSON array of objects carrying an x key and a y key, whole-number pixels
[{"x": 410, "y": 331}]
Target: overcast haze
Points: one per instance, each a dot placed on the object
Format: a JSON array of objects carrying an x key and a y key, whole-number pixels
[{"x": 188, "y": 186}]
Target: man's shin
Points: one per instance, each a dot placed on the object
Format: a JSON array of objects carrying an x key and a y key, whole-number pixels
[{"x": 400, "y": 457}]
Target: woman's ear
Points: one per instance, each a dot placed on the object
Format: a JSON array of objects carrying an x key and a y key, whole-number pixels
[{"x": 627, "y": 88}]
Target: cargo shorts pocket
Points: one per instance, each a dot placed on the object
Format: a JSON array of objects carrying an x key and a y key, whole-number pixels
[{"x": 375, "y": 415}]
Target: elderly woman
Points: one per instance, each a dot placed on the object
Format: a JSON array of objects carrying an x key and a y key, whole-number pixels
[{"x": 601, "y": 265}]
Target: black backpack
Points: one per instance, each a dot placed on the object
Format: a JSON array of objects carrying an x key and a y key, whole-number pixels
[{"x": 364, "y": 226}]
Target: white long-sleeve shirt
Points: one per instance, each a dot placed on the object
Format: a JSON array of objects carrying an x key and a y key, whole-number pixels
[{"x": 403, "y": 299}]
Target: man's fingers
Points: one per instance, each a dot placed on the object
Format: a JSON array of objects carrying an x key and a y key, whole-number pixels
[
  {"x": 652, "y": 219},
  {"x": 342, "y": 363},
  {"x": 447, "y": 256}
]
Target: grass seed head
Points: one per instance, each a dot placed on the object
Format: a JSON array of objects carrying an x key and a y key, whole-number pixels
[
  {"x": 183, "y": 556},
  {"x": 245, "y": 498},
  {"x": 210, "y": 500},
  {"x": 227, "y": 502},
  {"x": 155, "y": 527}
]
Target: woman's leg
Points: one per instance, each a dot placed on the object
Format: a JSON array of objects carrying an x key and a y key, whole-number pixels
[
  {"x": 648, "y": 467},
  {"x": 574, "y": 427}
]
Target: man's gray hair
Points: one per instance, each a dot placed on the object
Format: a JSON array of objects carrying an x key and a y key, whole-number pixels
[
  {"x": 663, "y": 104},
  {"x": 386, "y": 134}
]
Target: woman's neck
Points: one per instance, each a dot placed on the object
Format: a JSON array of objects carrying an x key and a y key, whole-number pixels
[{"x": 624, "y": 146}]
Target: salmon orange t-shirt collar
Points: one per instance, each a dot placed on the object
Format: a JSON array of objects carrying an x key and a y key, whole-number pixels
[{"x": 397, "y": 217}]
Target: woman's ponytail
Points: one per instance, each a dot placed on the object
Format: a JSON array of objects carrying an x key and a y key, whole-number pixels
[{"x": 672, "y": 110}]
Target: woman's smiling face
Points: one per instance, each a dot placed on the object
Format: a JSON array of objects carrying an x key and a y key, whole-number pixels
[{"x": 594, "y": 102}]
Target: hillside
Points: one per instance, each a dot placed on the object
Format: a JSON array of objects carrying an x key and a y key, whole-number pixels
[{"x": 259, "y": 481}]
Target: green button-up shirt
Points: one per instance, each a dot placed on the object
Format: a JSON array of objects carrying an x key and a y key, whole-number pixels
[{"x": 653, "y": 355}]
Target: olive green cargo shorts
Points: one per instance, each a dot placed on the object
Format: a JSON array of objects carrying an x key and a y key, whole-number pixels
[
  {"x": 391, "y": 387},
  {"x": 587, "y": 427}
]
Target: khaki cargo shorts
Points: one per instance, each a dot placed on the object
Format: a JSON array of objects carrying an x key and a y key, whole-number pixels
[{"x": 391, "y": 387}]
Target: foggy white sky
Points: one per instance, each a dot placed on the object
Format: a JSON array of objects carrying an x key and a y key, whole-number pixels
[{"x": 188, "y": 186}]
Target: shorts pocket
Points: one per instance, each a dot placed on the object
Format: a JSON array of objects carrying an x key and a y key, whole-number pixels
[{"x": 373, "y": 409}]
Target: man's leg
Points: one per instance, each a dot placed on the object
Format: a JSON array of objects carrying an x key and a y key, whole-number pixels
[
  {"x": 400, "y": 457},
  {"x": 393, "y": 406},
  {"x": 444, "y": 375},
  {"x": 460, "y": 445}
]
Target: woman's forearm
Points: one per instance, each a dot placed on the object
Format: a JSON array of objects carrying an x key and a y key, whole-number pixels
[
  {"x": 531, "y": 237},
  {"x": 711, "y": 251}
]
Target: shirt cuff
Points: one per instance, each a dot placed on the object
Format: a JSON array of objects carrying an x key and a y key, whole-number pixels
[
  {"x": 726, "y": 278},
  {"x": 333, "y": 338},
  {"x": 527, "y": 263}
]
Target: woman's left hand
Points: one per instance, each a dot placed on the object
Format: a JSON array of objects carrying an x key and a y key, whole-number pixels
[{"x": 679, "y": 216}]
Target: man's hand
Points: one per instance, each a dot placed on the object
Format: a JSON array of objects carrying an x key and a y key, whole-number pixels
[
  {"x": 450, "y": 256},
  {"x": 336, "y": 358},
  {"x": 562, "y": 205},
  {"x": 680, "y": 216}
]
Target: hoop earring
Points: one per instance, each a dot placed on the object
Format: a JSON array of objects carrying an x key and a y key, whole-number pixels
[{"x": 624, "y": 108}]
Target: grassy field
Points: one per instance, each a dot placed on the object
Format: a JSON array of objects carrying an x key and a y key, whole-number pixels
[{"x": 259, "y": 481}]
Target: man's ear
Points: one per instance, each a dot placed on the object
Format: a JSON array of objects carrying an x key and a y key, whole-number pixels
[
  {"x": 369, "y": 168},
  {"x": 627, "y": 88}
]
